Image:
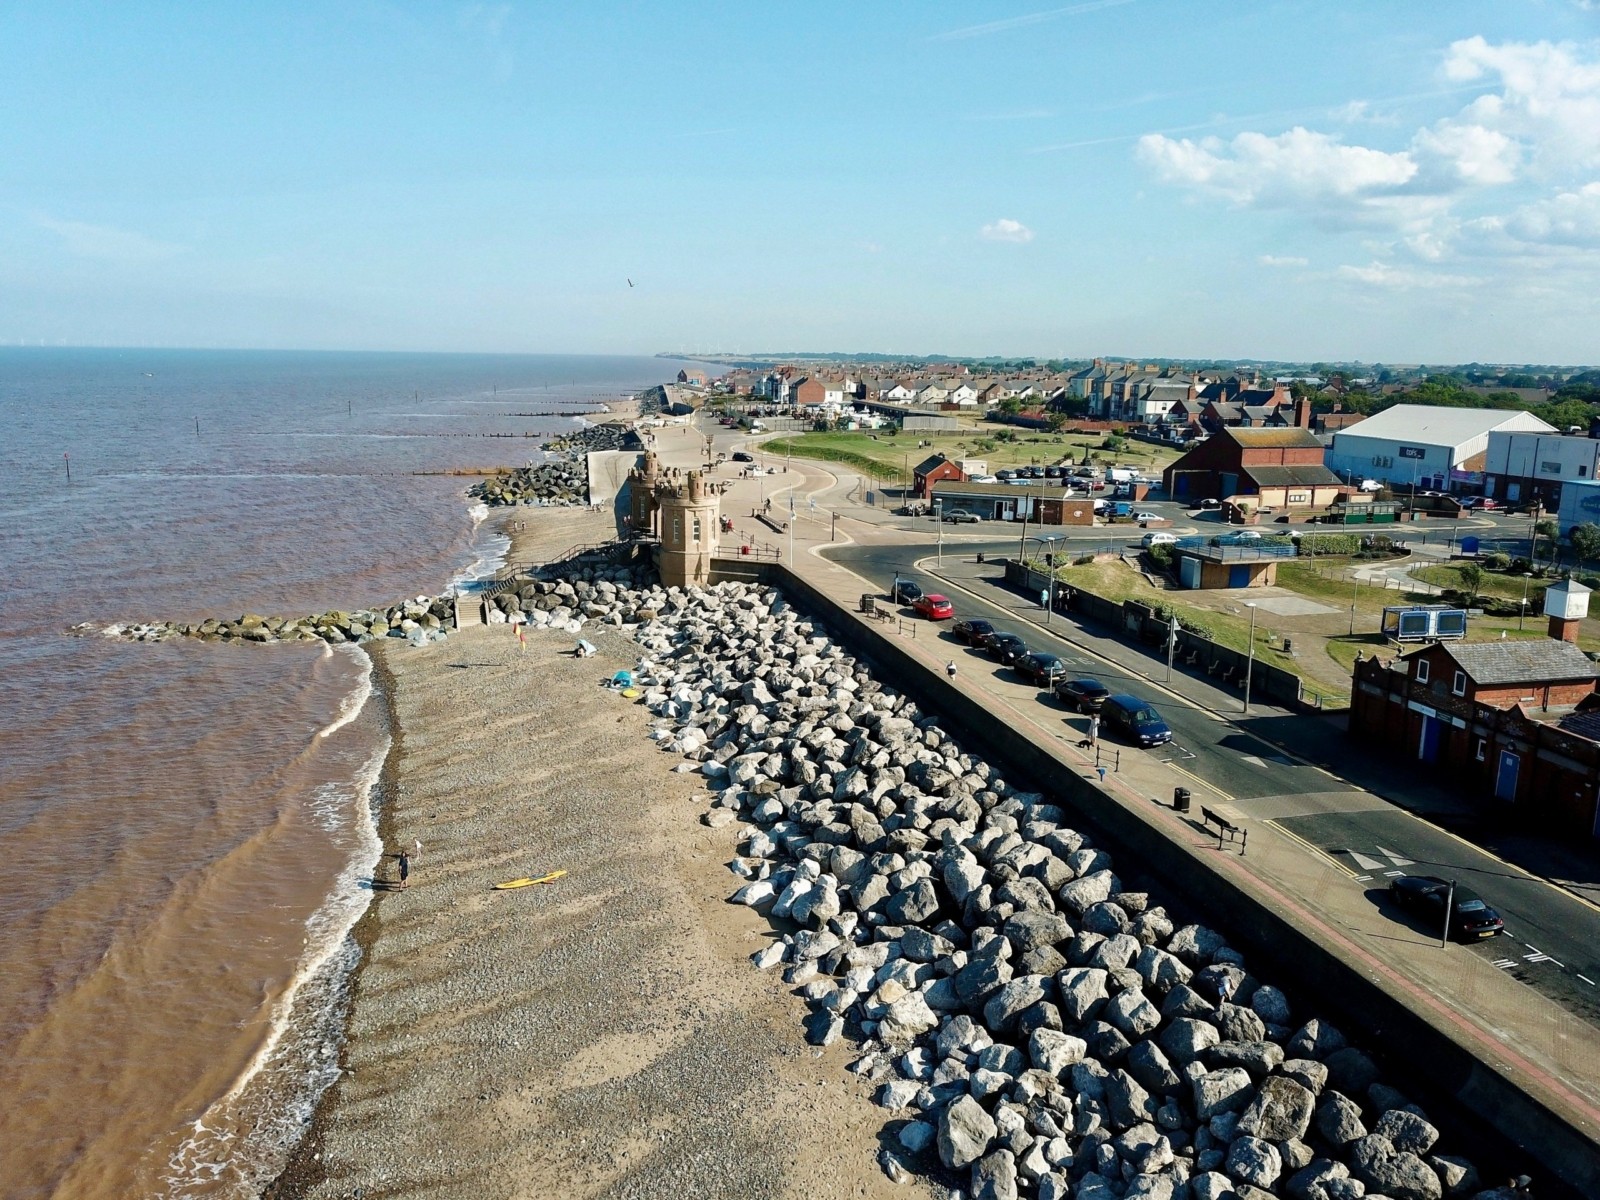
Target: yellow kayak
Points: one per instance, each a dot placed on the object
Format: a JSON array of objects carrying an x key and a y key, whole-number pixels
[{"x": 522, "y": 883}]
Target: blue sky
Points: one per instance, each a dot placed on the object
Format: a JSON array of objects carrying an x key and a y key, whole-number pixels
[{"x": 1385, "y": 181}]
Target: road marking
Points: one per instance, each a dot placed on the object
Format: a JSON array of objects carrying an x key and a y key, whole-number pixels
[
  {"x": 1393, "y": 874},
  {"x": 1505, "y": 964},
  {"x": 1398, "y": 860},
  {"x": 1253, "y": 760},
  {"x": 1363, "y": 878},
  {"x": 1543, "y": 958},
  {"x": 1587, "y": 980},
  {"x": 1365, "y": 863}
]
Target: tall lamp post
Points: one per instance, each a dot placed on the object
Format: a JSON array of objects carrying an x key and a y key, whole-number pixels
[
  {"x": 1522, "y": 611},
  {"x": 1354, "y": 591},
  {"x": 1250, "y": 660},
  {"x": 1050, "y": 564},
  {"x": 938, "y": 516}
]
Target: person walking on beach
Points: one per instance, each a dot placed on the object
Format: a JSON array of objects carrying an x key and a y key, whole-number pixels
[{"x": 405, "y": 869}]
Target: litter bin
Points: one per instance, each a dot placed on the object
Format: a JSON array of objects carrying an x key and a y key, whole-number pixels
[
  {"x": 1180, "y": 799},
  {"x": 1287, "y": 645}
]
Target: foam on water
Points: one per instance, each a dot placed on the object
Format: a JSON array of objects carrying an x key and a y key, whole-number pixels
[{"x": 350, "y": 707}]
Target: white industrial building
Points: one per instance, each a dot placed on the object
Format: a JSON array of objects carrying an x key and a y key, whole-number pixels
[
  {"x": 1524, "y": 467},
  {"x": 1425, "y": 447}
]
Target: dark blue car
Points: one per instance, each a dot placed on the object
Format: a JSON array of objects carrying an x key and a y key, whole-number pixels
[{"x": 1135, "y": 719}]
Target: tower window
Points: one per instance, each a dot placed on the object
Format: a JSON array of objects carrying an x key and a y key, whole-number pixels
[{"x": 696, "y": 530}]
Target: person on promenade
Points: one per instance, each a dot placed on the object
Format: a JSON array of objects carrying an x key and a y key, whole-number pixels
[
  {"x": 1094, "y": 732},
  {"x": 405, "y": 869},
  {"x": 950, "y": 668}
]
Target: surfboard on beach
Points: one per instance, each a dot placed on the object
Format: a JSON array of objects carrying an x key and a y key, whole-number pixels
[{"x": 522, "y": 883}]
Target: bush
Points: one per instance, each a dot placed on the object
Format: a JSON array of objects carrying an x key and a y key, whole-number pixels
[
  {"x": 1329, "y": 543},
  {"x": 1112, "y": 443},
  {"x": 1520, "y": 565},
  {"x": 1161, "y": 556},
  {"x": 1496, "y": 560},
  {"x": 1083, "y": 560}
]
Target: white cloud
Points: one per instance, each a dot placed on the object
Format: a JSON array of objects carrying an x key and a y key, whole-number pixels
[
  {"x": 1568, "y": 220},
  {"x": 1380, "y": 274},
  {"x": 1547, "y": 97},
  {"x": 1006, "y": 230},
  {"x": 103, "y": 242},
  {"x": 1283, "y": 260},
  {"x": 1293, "y": 166},
  {"x": 1467, "y": 153}
]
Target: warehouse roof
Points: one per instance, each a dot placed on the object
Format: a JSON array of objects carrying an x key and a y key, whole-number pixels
[{"x": 1439, "y": 426}]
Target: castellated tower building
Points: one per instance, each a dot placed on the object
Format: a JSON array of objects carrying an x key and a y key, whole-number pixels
[
  {"x": 687, "y": 512},
  {"x": 642, "y": 481}
]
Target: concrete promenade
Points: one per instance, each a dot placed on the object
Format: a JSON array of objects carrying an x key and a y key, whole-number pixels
[{"x": 1553, "y": 1055}]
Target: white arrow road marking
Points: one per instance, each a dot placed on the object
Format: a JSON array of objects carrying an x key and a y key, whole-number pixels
[
  {"x": 1365, "y": 863},
  {"x": 1252, "y": 759},
  {"x": 1398, "y": 860}
]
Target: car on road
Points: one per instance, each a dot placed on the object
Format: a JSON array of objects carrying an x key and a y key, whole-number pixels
[
  {"x": 974, "y": 632},
  {"x": 905, "y": 591},
  {"x": 1005, "y": 647},
  {"x": 934, "y": 606},
  {"x": 1135, "y": 719},
  {"x": 1040, "y": 668},
  {"x": 1158, "y": 538},
  {"x": 1426, "y": 896},
  {"x": 962, "y": 517},
  {"x": 1084, "y": 695},
  {"x": 1146, "y": 516},
  {"x": 1480, "y": 503},
  {"x": 1208, "y": 504},
  {"x": 743, "y": 456}
]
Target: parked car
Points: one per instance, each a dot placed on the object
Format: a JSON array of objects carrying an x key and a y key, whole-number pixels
[
  {"x": 1209, "y": 504},
  {"x": 1371, "y": 485},
  {"x": 962, "y": 517},
  {"x": 1426, "y": 895},
  {"x": 1480, "y": 503},
  {"x": 905, "y": 591},
  {"x": 1040, "y": 668},
  {"x": 1084, "y": 695},
  {"x": 974, "y": 632},
  {"x": 1135, "y": 719},
  {"x": 1158, "y": 537},
  {"x": 1005, "y": 647},
  {"x": 743, "y": 456},
  {"x": 934, "y": 606},
  {"x": 915, "y": 509},
  {"x": 1146, "y": 516}
]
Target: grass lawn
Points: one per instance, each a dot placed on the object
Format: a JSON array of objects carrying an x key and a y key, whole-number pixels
[
  {"x": 892, "y": 456},
  {"x": 1505, "y": 586}
]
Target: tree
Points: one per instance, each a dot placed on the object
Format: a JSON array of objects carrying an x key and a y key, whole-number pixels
[
  {"x": 1544, "y": 529},
  {"x": 1585, "y": 541},
  {"x": 1011, "y": 406},
  {"x": 1057, "y": 421},
  {"x": 1471, "y": 582}
]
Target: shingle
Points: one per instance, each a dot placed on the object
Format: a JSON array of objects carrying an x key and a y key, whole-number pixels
[{"x": 1536, "y": 660}]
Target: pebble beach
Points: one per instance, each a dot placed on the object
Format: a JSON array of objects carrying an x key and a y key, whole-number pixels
[{"x": 603, "y": 1035}]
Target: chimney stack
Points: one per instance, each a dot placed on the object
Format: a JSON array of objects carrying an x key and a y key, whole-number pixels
[{"x": 1302, "y": 413}]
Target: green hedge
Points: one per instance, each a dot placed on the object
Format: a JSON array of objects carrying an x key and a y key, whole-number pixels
[{"x": 1330, "y": 543}]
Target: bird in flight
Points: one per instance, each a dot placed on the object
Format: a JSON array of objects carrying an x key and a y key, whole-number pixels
[{"x": 630, "y": 283}]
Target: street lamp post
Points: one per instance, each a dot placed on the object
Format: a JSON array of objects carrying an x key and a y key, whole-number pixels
[
  {"x": 1250, "y": 659},
  {"x": 1354, "y": 591},
  {"x": 938, "y": 516},
  {"x": 1522, "y": 611},
  {"x": 1050, "y": 563},
  {"x": 1172, "y": 641}
]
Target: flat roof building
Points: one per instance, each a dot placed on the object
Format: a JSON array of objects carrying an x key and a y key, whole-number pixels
[{"x": 1425, "y": 447}]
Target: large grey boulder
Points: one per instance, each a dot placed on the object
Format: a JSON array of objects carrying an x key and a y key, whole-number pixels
[
  {"x": 1323, "y": 1179},
  {"x": 1160, "y": 970},
  {"x": 1281, "y": 1111},
  {"x": 908, "y": 1018},
  {"x": 1196, "y": 945},
  {"x": 1083, "y": 992},
  {"x": 1031, "y": 930},
  {"x": 1131, "y": 1013},
  {"x": 1187, "y": 1039},
  {"x": 1338, "y": 1119},
  {"x": 1150, "y": 1067},
  {"x": 1396, "y": 1173},
  {"x": 1053, "y": 1051},
  {"x": 1221, "y": 1092},
  {"x": 1406, "y": 1131},
  {"x": 1350, "y": 1071},
  {"x": 1090, "y": 889},
  {"x": 976, "y": 981},
  {"x": 965, "y": 1133},
  {"x": 1253, "y": 1161},
  {"x": 913, "y": 905},
  {"x": 1007, "y": 1001},
  {"x": 1127, "y": 1103},
  {"x": 994, "y": 1176}
]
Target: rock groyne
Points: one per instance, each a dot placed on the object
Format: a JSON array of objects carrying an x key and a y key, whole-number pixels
[{"x": 1034, "y": 1028}]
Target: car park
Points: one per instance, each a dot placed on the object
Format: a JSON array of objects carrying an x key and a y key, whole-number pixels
[
  {"x": 962, "y": 517},
  {"x": 1084, "y": 695},
  {"x": 1426, "y": 895},
  {"x": 905, "y": 591},
  {"x": 743, "y": 456},
  {"x": 934, "y": 606},
  {"x": 1158, "y": 538},
  {"x": 1136, "y": 720},
  {"x": 1039, "y": 668},
  {"x": 1005, "y": 648},
  {"x": 974, "y": 632}
]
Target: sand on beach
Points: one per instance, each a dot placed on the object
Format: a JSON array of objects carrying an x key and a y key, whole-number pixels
[{"x": 603, "y": 1035}]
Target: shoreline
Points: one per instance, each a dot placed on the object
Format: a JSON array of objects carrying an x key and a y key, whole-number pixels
[{"x": 606, "y": 1033}]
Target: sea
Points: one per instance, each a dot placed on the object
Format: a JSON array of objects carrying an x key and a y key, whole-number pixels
[{"x": 188, "y": 830}]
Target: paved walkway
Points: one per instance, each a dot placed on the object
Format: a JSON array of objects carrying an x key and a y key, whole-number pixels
[{"x": 1553, "y": 1054}]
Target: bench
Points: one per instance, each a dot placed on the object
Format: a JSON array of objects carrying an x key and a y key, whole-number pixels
[
  {"x": 1227, "y": 831},
  {"x": 1191, "y": 658}
]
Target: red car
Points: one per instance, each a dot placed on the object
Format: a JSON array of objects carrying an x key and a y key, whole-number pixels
[{"x": 935, "y": 607}]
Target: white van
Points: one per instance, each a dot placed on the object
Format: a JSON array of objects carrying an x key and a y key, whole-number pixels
[{"x": 1371, "y": 485}]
